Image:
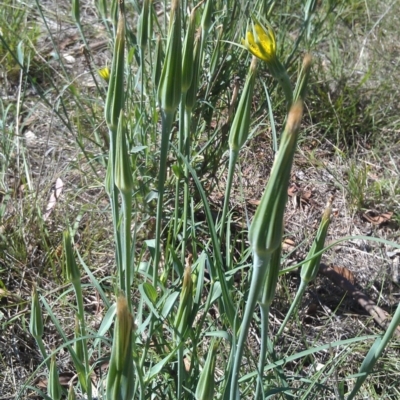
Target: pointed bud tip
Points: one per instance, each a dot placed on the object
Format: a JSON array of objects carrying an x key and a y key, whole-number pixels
[
  {"x": 187, "y": 277},
  {"x": 122, "y": 304},
  {"x": 294, "y": 117},
  {"x": 175, "y": 4},
  {"x": 328, "y": 209},
  {"x": 124, "y": 318},
  {"x": 253, "y": 65},
  {"x": 307, "y": 61}
]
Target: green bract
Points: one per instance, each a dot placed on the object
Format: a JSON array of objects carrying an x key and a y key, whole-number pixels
[
  {"x": 206, "y": 386},
  {"x": 266, "y": 229},
  {"x": 241, "y": 123},
  {"x": 121, "y": 378},
  {"x": 169, "y": 89},
  {"x": 36, "y": 321},
  {"x": 115, "y": 95}
]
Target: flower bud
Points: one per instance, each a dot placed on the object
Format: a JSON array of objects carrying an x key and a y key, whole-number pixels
[
  {"x": 120, "y": 379},
  {"x": 36, "y": 322},
  {"x": 169, "y": 89},
  {"x": 206, "y": 385},
  {"x": 123, "y": 170},
  {"x": 72, "y": 269},
  {"x": 241, "y": 123},
  {"x": 115, "y": 94},
  {"x": 310, "y": 269},
  {"x": 187, "y": 64},
  {"x": 54, "y": 389},
  {"x": 267, "y": 227},
  {"x": 144, "y": 24},
  {"x": 185, "y": 302}
]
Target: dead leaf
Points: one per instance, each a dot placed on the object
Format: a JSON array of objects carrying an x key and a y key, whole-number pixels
[
  {"x": 312, "y": 309},
  {"x": 288, "y": 244},
  {"x": 292, "y": 190},
  {"x": 186, "y": 363},
  {"x": 69, "y": 58},
  {"x": 14, "y": 298},
  {"x": 345, "y": 273},
  {"x": 68, "y": 42},
  {"x": 377, "y": 219},
  {"x": 42, "y": 383},
  {"x": 64, "y": 377},
  {"x": 55, "y": 194},
  {"x": 306, "y": 195},
  {"x": 254, "y": 202}
]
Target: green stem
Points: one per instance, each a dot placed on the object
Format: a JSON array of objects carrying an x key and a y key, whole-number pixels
[
  {"x": 186, "y": 152},
  {"x": 112, "y": 191},
  {"x": 233, "y": 156},
  {"x": 178, "y": 179},
  {"x": 181, "y": 371},
  {"x": 143, "y": 136},
  {"x": 81, "y": 317},
  {"x": 260, "y": 264},
  {"x": 264, "y": 308},
  {"x": 42, "y": 349},
  {"x": 139, "y": 374},
  {"x": 293, "y": 306},
  {"x": 167, "y": 118},
  {"x": 126, "y": 244},
  {"x": 375, "y": 352}
]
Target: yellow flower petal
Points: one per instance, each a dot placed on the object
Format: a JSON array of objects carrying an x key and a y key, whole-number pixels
[
  {"x": 261, "y": 42},
  {"x": 266, "y": 40},
  {"x": 105, "y": 73}
]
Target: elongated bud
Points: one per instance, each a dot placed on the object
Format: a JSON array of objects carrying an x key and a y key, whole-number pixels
[
  {"x": 76, "y": 15},
  {"x": 191, "y": 95},
  {"x": 267, "y": 227},
  {"x": 156, "y": 73},
  {"x": 271, "y": 279},
  {"x": 185, "y": 302},
  {"x": 72, "y": 269},
  {"x": 214, "y": 64},
  {"x": 123, "y": 170},
  {"x": 115, "y": 94},
  {"x": 36, "y": 322},
  {"x": 169, "y": 89},
  {"x": 123, "y": 332},
  {"x": 206, "y": 17},
  {"x": 78, "y": 343},
  {"x": 114, "y": 12},
  {"x": 302, "y": 81},
  {"x": 120, "y": 379},
  {"x": 188, "y": 65},
  {"x": 206, "y": 385},
  {"x": 144, "y": 24},
  {"x": 54, "y": 389},
  {"x": 71, "y": 393},
  {"x": 241, "y": 123},
  {"x": 310, "y": 269}
]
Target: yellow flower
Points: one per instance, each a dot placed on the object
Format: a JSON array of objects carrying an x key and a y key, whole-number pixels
[
  {"x": 105, "y": 73},
  {"x": 261, "y": 42}
]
